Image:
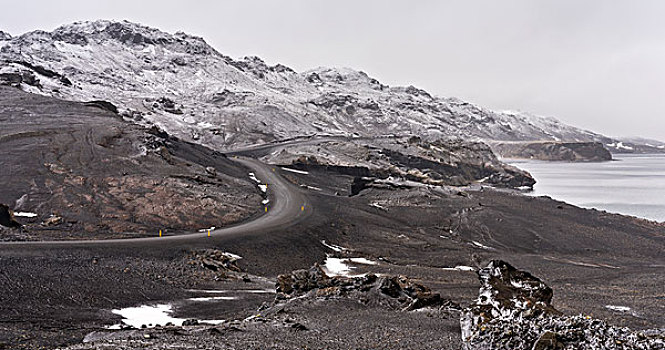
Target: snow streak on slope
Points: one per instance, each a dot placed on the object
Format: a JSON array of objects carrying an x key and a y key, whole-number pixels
[{"x": 183, "y": 85}]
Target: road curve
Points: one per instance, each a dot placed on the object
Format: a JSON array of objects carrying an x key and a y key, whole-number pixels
[{"x": 287, "y": 206}]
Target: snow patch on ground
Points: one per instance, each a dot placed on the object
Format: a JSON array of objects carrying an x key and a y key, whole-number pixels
[
  {"x": 459, "y": 268},
  {"x": 378, "y": 206},
  {"x": 262, "y": 187},
  {"x": 24, "y": 214},
  {"x": 212, "y": 298},
  {"x": 480, "y": 245},
  {"x": 618, "y": 308},
  {"x": 335, "y": 267},
  {"x": 363, "y": 261},
  {"x": 212, "y": 321},
  {"x": 148, "y": 315},
  {"x": 226, "y": 291},
  {"x": 620, "y": 145},
  {"x": 233, "y": 256},
  {"x": 252, "y": 176}
]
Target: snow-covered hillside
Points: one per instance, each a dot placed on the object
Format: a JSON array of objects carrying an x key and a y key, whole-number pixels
[{"x": 183, "y": 85}]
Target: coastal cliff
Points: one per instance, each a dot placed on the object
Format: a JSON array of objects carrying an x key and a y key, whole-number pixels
[{"x": 553, "y": 151}]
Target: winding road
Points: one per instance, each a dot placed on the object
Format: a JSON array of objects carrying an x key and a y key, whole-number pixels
[{"x": 287, "y": 207}]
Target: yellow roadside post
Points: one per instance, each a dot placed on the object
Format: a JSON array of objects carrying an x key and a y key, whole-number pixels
[
  {"x": 160, "y": 233},
  {"x": 302, "y": 208},
  {"x": 266, "y": 209},
  {"x": 208, "y": 232}
]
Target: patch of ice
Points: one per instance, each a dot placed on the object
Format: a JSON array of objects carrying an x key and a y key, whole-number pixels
[
  {"x": 263, "y": 188},
  {"x": 333, "y": 247},
  {"x": 206, "y": 229},
  {"x": 25, "y": 214},
  {"x": 296, "y": 171},
  {"x": 149, "y": 315},
  {"x": 265, "y": 201}
]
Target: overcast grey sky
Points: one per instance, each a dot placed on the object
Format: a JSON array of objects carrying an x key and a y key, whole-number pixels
[{"x": 595, "y": 64}]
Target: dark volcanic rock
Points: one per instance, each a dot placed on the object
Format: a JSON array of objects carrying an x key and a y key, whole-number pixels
[
  {"x": 506, "y": 293},
  {"x": 216, "y": 260},
  {"x": 6, "y": 217},
  {"x": 167, "y": 105},
  {"x": 395, "y": 292},
  {"x": 190, "y": 322},
  {"x": 513, "y": 311},
  {"x": 15, "y": 79}
]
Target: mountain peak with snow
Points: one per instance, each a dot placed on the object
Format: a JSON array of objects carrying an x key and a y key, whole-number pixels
[
  {"x": 128, "y": 34},
  {"x": 225, "y": 102}
]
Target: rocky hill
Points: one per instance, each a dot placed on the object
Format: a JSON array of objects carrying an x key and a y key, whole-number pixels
[
  {"x": 74, "y": 170},
  {"x": 183, "y": 85}
]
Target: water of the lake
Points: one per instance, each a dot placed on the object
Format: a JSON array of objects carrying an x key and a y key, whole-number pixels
[{"x": 632, "y": 184}]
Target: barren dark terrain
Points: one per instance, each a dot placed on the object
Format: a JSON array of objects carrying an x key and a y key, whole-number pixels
[{"x": 53, "y": 295}]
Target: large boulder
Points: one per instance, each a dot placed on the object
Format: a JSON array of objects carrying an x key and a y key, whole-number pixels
[
  {"x": 7, "y": 218},
  {"x": 513, "y": 311},
  {"x": 506, "y": 293},
  {"x": 397, "y": 292}
]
